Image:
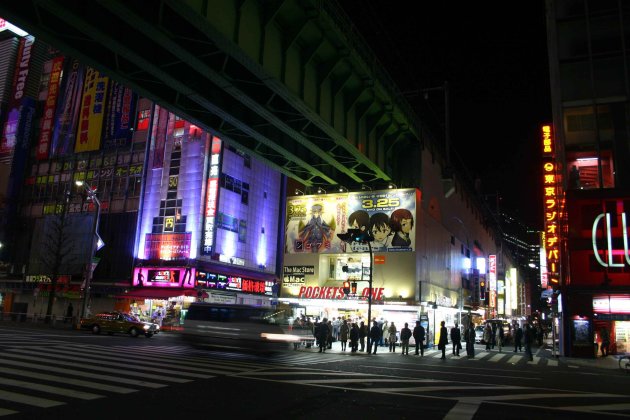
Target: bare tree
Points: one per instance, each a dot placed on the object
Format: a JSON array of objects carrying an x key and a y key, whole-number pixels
[{"x": 57, "y": 246}]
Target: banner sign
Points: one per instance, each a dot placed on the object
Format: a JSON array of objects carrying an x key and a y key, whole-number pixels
[
  {"x": 92, "y": 111},
  {"x": 336, "y": 293},
  {"x": 167, "y": 246},
  {"x": 48, "y": 117},
  {"x": 67, "y": 114},
  {"x": 20, "y": 76},
  {"x": 313, "y": 221},
  {"x": 121, "y": 108}
]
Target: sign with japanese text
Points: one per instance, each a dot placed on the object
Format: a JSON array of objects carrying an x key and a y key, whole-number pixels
[
  {"x": 92, "y": 111},
  {"x": 552, "y": 200},
  {"x": 313, "y": 221}
]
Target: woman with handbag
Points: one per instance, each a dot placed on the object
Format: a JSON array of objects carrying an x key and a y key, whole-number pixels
[{"x": 443, "y": 340}]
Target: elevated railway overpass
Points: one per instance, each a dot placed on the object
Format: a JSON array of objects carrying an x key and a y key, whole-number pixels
[{"x": 290, "y": 82}]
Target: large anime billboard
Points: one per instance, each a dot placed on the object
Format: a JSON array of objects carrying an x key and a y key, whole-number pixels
[{"x": 313, "y": 221}]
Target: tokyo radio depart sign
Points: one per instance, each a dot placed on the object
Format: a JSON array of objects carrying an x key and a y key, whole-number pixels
[{"x": 314, "y": 221}]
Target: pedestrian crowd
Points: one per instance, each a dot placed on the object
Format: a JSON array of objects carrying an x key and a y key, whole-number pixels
[{"x": 362, "y": 338}]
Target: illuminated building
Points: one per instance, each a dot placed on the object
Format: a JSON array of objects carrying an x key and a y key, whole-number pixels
[{"x": 589, "y": 86}]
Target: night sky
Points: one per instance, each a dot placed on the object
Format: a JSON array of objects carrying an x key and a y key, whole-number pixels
[{"x": 495, "y": 61}]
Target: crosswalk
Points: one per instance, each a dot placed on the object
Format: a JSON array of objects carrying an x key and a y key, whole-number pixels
[
  {"x": 64, "y": 373},
  {"x": 55, "y": 374},
  {"x": 494, "y": 357}
]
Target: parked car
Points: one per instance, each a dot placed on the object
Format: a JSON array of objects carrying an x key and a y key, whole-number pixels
[{"x": 119, "y": 322}]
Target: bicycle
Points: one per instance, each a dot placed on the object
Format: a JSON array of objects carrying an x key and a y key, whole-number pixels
[{"x": 624, "y": 363}]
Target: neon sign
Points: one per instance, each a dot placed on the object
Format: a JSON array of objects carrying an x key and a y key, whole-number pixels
[
  {"x": 609, "y": 251},
  {"x": 212, "y": 194},
  {"x": 551, "y": 200}
]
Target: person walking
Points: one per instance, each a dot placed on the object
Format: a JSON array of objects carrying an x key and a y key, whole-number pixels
[
  {"x": 528, "y": 337},
  {"x": 362, "y": 334},
  {"x": 375, "y": 336},
  {"x": 344, "y": 331},
  {"x": 499, "y": 337},
  {"x": 354, "y": 337},
  {"x": 487, "y": 336},
  {"x": 456, "y": 339},
  {"x": 69, "y": 313},
  {"x": 405, "y": 335},
  {"x": 391, "y": 330},
  {"x": 518, "y": 337},
  {"x": 470, "y": 341},
  {"x": 605, "y": 336},
  {"x": 329, "y": 340},
  {"x": 443, "y": 341},
  {"x": 418, "y": 335},
  {"x": 384, "y": 336},
  {"x": 321, "y": 334}
]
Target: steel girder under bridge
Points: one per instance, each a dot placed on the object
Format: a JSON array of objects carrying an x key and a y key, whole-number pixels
[{"x": 286, "y": 81}]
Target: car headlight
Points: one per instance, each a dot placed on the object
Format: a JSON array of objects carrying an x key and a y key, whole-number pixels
[
  {"x": 146, "y": 327},
  {"x": 289, "y": 338}
]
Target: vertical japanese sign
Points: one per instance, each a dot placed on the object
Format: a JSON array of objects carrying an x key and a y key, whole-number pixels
[
  {"x": 67, "y": 109},
  {"x": 212, "y": 197},
  {"x": 160, "y": 136},
  {"x": 552, "y": 207},
  {"x": 22, "y": 67},
  {"x": 92, "y": 112},
  {"x": 121, "y": 108},
  {"x": 48, "y": 117}
]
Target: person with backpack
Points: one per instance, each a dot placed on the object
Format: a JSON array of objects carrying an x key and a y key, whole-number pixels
[{"x": 405, "y": 336}]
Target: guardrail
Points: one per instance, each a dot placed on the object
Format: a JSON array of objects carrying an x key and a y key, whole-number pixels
[{"x": 23, "y": 318}]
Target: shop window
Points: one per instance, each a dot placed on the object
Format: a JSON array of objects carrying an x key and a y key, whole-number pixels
[
  {"x": 583, "y": 170},
  {"x": 135, "y": 185}
]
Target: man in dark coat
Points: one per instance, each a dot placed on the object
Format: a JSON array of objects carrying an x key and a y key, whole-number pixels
[
  {"x": 443, "y": 341},
  {"x": 362, "y": 334},
  {"x": 419, "y": 335},
  {"x": 375, "y": 336},
  {"x": 321, "y": 334},
  {"x": 470, "y": 341},
  {"x": 354, "y": 337},
  {"x": 518, "y": 336},
  {"x": 456, "y": 338}
]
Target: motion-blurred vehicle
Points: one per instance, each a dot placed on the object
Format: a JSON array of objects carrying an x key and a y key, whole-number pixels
[
  {"x": 119, "y": 322},
  {"x": 238, "y": 327}
]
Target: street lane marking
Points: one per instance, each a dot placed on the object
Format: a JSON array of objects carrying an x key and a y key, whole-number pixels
[
  {"x": 140, "y": 364},
  {"x": 497, "y": 357},
  {"x": 64, "y": 379},
  {"x": 515, "y": 359},
  {"x": 28, "y": 399},
  {"x": 444, "y": 388},
  {"x": 480, "y": 355},
  {"x": 50, "y": 389},
  {"x": 81, "y": 373},
  {"x": 5, "y": 412},
  {"x": 89, "y": 366},
  {"x": 591, "y": 408},
  {"x": 552, "y": 363},
  {"x": 462, "y": 411}
]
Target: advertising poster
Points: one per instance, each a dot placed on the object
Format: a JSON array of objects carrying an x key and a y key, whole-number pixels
[
  {"x": 67, "y": 114},
  {"x": 121, "y": 108},
  {"x": 92, "y": 111},
  {"x": 48, "y": 116},
  {"x": 314, "y": 221},
  {"x": 160, "y": 137},
  {"x": 22, "y": 67}
]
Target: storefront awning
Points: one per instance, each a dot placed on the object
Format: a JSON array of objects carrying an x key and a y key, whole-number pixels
[{"x": 158, "y": 293}]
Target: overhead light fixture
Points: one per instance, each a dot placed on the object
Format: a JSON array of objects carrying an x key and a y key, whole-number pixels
[
  {"x": 342, "y": 188},
  {"x": 366, "y": 187},
  {"x": 391, "y": 185},
  {"x": 298, "y": 192},
  {"x": 320, "y": 190},
  {"x": 586, "y": 159}
]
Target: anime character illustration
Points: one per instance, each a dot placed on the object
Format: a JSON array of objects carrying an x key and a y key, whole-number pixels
[
  {"x": 359, "y": 219},
  {"x": 401, "y": 222},
  {"x": 381, "y": 231},
  {"x": 316, "y": 234}
]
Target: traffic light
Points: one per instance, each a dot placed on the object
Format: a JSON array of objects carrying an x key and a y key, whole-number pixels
[
  {"x": 482, "y": 289},
  {"x": 346, "y": 287}
]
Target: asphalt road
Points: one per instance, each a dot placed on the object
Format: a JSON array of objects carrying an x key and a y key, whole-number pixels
[{"x": 55, "y": 373}]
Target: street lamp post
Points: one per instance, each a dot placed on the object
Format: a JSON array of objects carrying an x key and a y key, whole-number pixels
[{"x": 93, "y": 246}]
